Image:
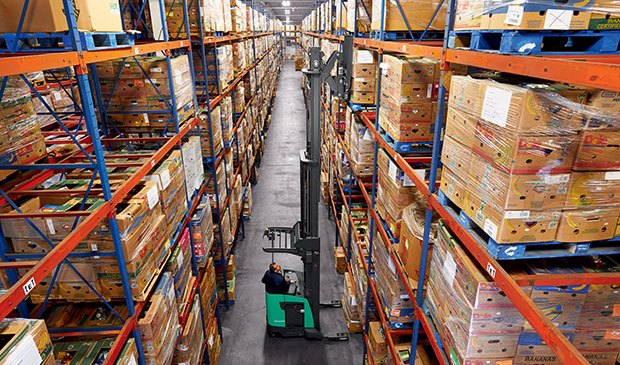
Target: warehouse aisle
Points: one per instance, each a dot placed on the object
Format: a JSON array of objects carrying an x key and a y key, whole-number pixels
[{"x": 276, "y": 202}]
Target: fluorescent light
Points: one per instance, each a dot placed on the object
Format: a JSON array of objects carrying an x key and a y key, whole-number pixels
[
  {"x": 287, "y": 12},
  {"x": 286, "y": 3}
]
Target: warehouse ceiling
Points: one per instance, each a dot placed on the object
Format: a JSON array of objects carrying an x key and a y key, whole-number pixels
[{"x": 295, "y": 10}]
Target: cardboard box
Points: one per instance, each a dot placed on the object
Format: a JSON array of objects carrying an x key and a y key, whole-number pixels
[
  {"x": 49, "y": 16},
  {"x": 378, "y": 343},
  {"x": 522, "y": 154},
  {"x": 532, "y": 350},
  {"x": 410, "y": 243},
  {"x": 418, "y": 14},
  {"x": 532, "y": 15},
  {"x": 468, "y": 15},
  {"x": 456, "y": 157},
  {"x": 587, "y": 225},
  {"x": 461, "y": 126},
  {"x": 598, "y": 150},
  {"x": 516, "y": 192},
  {"x": 361, "y": 84},
  {"x": 454, "y": 188},
  {"x": 363, "y": 97},
  {"x": 605, "y": 100},
  {"x": 506, "y": 226},
  {"x": 340, "y": 260},
  {"x": 26, "y": 342},
  {"x": 592, "y": 189}
]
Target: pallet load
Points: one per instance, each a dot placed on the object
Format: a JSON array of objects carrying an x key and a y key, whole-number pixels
[
  {"x": 363, "y": 86},
  {"x": 526, "y": 153},
  {"x": 133, "y": 87},
  {"x": 397, "y": 305},
  {"x": 420, "y": 14},
  {"x": 192, "y": 339},
  {"x": 238, "y": 15},
  {"x": 410, "y": 240},
  {"x": 26, "y": 341},
  {"x": 21, "y": 140},
  {"x": 475, "y": 320},
  {"x": 231, "y": 273},
  {"x": 350, "y": 306},
  {"x": 364, "y": 11},
  {"x": 159, "y": 324},
  {"x": 408, "y": 99}
]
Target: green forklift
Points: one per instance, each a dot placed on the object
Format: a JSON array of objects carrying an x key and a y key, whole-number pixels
[{"x": 296, "y": 313}]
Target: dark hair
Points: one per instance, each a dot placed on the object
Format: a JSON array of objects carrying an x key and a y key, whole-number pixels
[{"x": 272, "y": 267}]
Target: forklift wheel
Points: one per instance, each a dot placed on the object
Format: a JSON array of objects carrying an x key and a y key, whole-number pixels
[{"x": 271, "y": 334}]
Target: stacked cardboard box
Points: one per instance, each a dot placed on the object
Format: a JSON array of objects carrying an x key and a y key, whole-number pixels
[
  {"x": 142, "y": 229},
  {"x": 226, "y": 115},
  {"x": 363, "y": 87},
  {"x": 475, "y": 320},
  {"x": 93, "y": 352},
  {"x": 408, "y": 98},
  {"x": 419, "y": 14},
  {"x": 214, "y": 342},
  {"x": 143, "y": 86},
  {"x": 395, "y": 191},
  {"x": 398, "y": 307},
  {"x": 26, "y": 341},
  {"x": 535, "y": 15},
  {"x": 220, "y": 67},
  {"x": 21, "y": 140},
  {"x": 377, "y": 346},
  {"x": 361, "y": 142},
  {"x": 350, "y": 305},
  {"x": 191, "y": 344},
  {"x": 212, "y": 138},
  {"x": 340, "y": 260},
  {"x": 517, "y": 147},
  {"x": 247, "y": 202},
  {"x": 364, "y": 11},
  {"x": 180, "y": 267},
  {"x": 238, "y": 14},
  {"x": 193, "y": 165},
  {"x": 410, "y": 242},
  {"x": 239, "y": 57},
  {"x": 230, "y": 271},
  {"x": 159, "y": 324},
  {"x": 208, "y": 289},
  {"x": 202, "y": 231}
]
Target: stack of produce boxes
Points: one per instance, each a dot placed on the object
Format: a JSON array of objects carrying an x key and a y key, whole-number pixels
[
  {"x": 533, "y": 15},
  {"x": 364, "y": 11},
  {"x": 361, "y": 142},
  {"x": 191, "y": 343},
  {"x": 377, "y": 347},
  {"x": 397, "y": 305},
  {"x": 143, "y": 87},
  {"x": 408, "y": 98},
  {"x": 419, "y": 15},
  {"x": 179, "y": 265},
  {"x": 202, "y": 231},
  {"x": 230, "y": 272},
  {"x": 26, "y": 341},
  {"x": 220, "y": 67},
  {"x": 350, "y": 306},
  {"x": 410, "y": 240},
  {"x": 516, "y": 147},
  {"x": 477, "y": 323},
  {"x": 212, "y": 135},
  {"x": 363, "y": 87},
  {"x": 159, "y": 323},
  {"x": 238, "y": 15},
  {"x": 21, "y": 140}
]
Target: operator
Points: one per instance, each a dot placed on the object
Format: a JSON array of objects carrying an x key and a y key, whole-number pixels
[{"x": 275, "y": 282}]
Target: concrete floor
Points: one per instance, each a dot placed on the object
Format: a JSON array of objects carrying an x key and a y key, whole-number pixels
[{"x": 276, "y": 202}]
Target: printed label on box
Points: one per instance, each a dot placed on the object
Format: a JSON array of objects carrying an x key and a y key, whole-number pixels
[
  {"x": 50, "y": 225},
  {"x": 165, "y": 178},
  {"x": 364, "y": 57},
  {"x": 490, "y": 228},
  {"x": 25, "y": 352},
  {"x": 612, "y": 175},
  {"x": 449, "y": 269},
  {"x": 152, "y": 197},
  {"x": 558, "y": 19},
  {"x": 392, "y": 170},
  {"x": 517, "y": 214},
  {"x": 557, "y": 179},
  {"x": 514, "y": 15},
  {"x": 132, "y": 361},
  {"x": 496, "y": 105}
]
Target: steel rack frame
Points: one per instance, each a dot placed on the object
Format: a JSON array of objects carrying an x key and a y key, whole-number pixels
[
  {"x": 82, "y": 60},
  {"x": 588, "y": 70}
]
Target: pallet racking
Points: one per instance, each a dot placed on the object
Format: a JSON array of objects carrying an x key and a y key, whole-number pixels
[
  {"x": 91, "y": 134},
  {"x": 597, "y": 71}
]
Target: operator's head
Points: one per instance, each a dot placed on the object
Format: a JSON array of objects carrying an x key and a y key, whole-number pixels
[{"x": 274, "y": 267}]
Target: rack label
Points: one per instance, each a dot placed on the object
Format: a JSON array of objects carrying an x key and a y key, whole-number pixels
[
  {"x": 30, "y": 284},
  {"x": 491, "y": 270}
]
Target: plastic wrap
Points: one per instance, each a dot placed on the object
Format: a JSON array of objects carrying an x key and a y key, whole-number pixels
[
  {"x": 202, "y": 231},
  {"x": 511, "y": 153},
  {"x": 419, "y": 14},
  {"x": 398, "y": 307},
  {"x": 362, "y": 148},
  {"x": 475, "y": 319}
]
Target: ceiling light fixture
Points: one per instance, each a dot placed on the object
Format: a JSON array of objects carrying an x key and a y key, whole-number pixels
[{"x": 286, "y": 3}]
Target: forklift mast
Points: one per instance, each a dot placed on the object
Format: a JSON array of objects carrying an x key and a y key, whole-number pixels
[{"x": 303, "y": 238}]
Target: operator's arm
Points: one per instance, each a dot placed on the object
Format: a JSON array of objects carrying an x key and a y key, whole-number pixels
[
  {"x": 283, "y": 284},
  {"x": 264, "y": 279}
]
